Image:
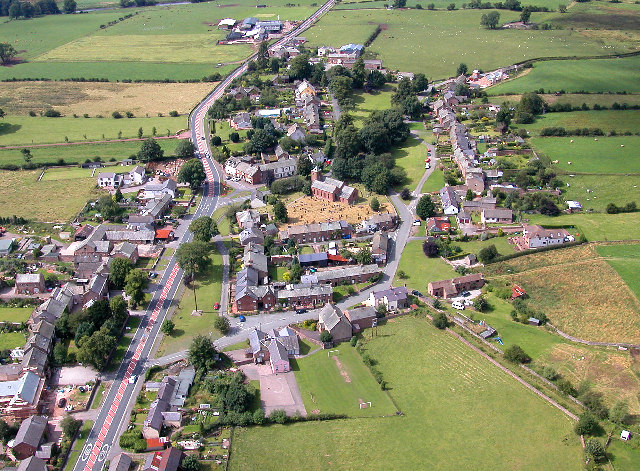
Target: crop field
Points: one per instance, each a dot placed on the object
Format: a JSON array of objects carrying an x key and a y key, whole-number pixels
[
  {"x": 607, "y": 155},
  {"x": 593, "y": 75},
  {"x": 440, "y": 40},
  {"x": 608, "y": 120},
  {"x": 597, "y": 226},
  {"x": 602, "y": 190},
  {"x": 420, "y": 269},
  {"x": 26, "y": 130},
  {"x": 80, "y": 152},
  {"x": 559, "y": 283},
  {"x": 338, "y": 383},
  {"x": 96, "y": 98},
  {"x": 446, "y": 392},
  {"x": 49, "y": 201},
  {"x": 15, "y": 314}
]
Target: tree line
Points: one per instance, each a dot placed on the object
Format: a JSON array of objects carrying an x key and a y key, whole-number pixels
[{"x": 18, "y": 9}]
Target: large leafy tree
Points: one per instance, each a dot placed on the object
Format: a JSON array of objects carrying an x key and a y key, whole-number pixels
[
  {"x": 425, "y": 207},
  {"x": 202, "y": 353},
  {"x": 135, "y": 283},
  {"x": 185, "y": 149},
  {"x": 300, "y": 68},
  {"x": 490, "y": 20},
  {"x": 150, "y": 150},
  {"x": 204, "y": 228},
  {"x": 192, "y": 172},
  {"x": 120, "y": 268},
  {"x": 7, "y": 51},
  {"x": 95, "y": 350}
]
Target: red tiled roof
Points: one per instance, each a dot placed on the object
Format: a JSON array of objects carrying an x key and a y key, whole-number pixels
[
  {"x": 164, "y": 233},
  {"x": 154, "y": 443},
  {"x": 336, "y": 258}
]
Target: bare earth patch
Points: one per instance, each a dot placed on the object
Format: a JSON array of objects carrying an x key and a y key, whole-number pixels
[
  {"x": 308, "y": 210},
  {"x": 102, "y": 98},
  {"x": 343, "y": 372}
]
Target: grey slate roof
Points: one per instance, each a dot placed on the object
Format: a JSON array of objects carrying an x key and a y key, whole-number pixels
[
  {"x": 31, "y": 431},
  {"x": 32, "y": 463},
  {"x": 121, "y": 462},
  {"x": 346, "y": 272},
  {"x": 330, "y": 316},
  {"x": 277, "y": 351}
]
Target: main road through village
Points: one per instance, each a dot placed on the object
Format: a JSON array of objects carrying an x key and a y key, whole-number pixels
[{"x": 114, "y": 413}]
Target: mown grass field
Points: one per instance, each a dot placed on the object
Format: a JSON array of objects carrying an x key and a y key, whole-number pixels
[
  {"x": 574, "y": 99},
  {"x": 366, "y": 103},
  {"x": 625, "y": 259},
  {"x": 25, "y": 130},
  {"x": 338, "y": 382},
  {"x": 446, "y": 392},
  {"x": 98, "y": 98},
  {"x": 420, "y": 269},
  {"x": 603, "y": 189},
  {"x": 208, "y": 288},
  {"x": 48, "y": 201},
  {"x": 15, "y": 314},
  {"x": 435, "y": 42},
  {"x": 410, "y": 157},
  {"x": 604, "y": 156},
  {"x": 80, "y": 152},
  {"x": 434, "y": 182},
  {"x": 594, "y": 76},
  {"x": 608, "y": 120},
  {"x": 579, "y": 291}
]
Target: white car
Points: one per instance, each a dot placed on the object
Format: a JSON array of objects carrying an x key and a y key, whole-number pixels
[
  {"x": 133, "y": 379},
  {"x": 416, "y": 222}
]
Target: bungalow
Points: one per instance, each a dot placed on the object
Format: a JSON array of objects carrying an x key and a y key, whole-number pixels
[
  {"x": 332, "y": 320},
  {"x": 393, "y": 298},
  {"x": 278, "y": 357},
  {"x": 455, "y": 286},
  {"x": 438, "y": 225},
  {"x": 29, "y": 437},
  {"x": 500, "y": 216},
  {"x": 109, "y": 180},
  {"x": 536, "y": 236},
  {"x": 361, "y": 317},
  {"x": 464, "y": 216},
  {"x": 30, "y": 283},
  {"x": 305, "y": 295},
  {"x": 165, "y": 235},
  {"x": 380, "y": 247},
  {"x": 450, "y": 201}
]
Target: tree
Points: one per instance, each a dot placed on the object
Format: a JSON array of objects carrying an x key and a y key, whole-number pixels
[
  {"x": 120, "y": 268},
  {"x": 185, "y": 149},
  {"x": 119, "y": 311},
  {"x": 490, "y": 20},
  {"x": 376, "y": 79},
  {"x": 193, "y": 257},
  {"x": 363, "y": 256},
  {"x": 325, "y": 336},
  {"x": 259, "y": 142},
  {"x": 70, "y": 426},
  {"x": 619, "y": 412},
  {"x": 192, "y": 172},
  {"x": 399, "y": 3},
  {"x": 2, "y": 113},
  {"x": 26, "y": 155},
  {"x": 280, "y": 211},
  {"x": 420, "y": 82},
  {"x": 375, "y": 204},
  {"x": 440, "y": 320},
  {"x": 562, "y": 8},
  {"x": 531, "y": 103},
  {"x": 481, "y": 304},
  {"x": 488, "y": 254},
  {"x": 108, "y": 208},
  {"x": 462, "y": 69},
  {"x": 216, "y": 140},
  {"x": 7, "y": 432},
  {"x": 135, "y": 283},
  {"x": 525, "y": 15},
  {"x": 300, "y": 68},
  {"x": 305, "y": 166},
  {"x": 515, "y": 354},
  {"x": 204, "y": 228},
  {"x": 178, "y": 211},
  {"x": 69, "y": 6},
  {"x": 469, "y": 195},
  {"x": 202, "y": 353},
  {"x": 405, "y": 194},
  {"x": 425, "y": 208},
  {"x": 222, "y": 324},
  {"x": 595, "y": 449},
  {"x": 168, "y": 326},
  {"x": 95, "y": 350},
  {"x": 15, "y": 10},
  {"x": 430, "y": 248},
  {"x": 342, "y": 88},
  {"x": 587, "y": 424},
  {"x": 150, "y": 150},
  {"x": 190, "y": 462},
  {"x": 60, "y": 353},
  {"x": 7, "y": 51},
  {"x": 234, "y": 137}
]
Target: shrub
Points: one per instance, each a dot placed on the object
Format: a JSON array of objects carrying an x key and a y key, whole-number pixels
[
  {"x": 116, "y": 115},
  {"x": 216, "y": 140},
  {"x": 566, "y": 387},
  {"x": 488, "y": 254},
  {"x": 587, "y": 424},
  {"x": 440, "y": 320},
  {"x": 173, "y": 114},
  {"x": 278, "y": 416},
  {"x": 549, "y": 373},
  {"x": 595, "y": 449},
  {"x": 234, "y": 137},
  {"x": 515, "y": 354},
  {"x": 353, "y": 341},
  {"x": 222, "y": 324},
  {"x": 405, "y": 194},
  {"x": 51, "y": 113},
  {"x": 326, "y": 336}
]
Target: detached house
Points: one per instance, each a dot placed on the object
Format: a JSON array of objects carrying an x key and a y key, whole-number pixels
[
  {"x": 332, "y": 320},
  {"x": 30, "y": 283},
  {"x": 455, "y": 286},
  {"x": 536, "y": 236},
  {"x": 109, "y": 180},
  {"x": 499, "y": 216},
  {"x": 393, "y": 298},
  {"x": 241, "y": 121}
]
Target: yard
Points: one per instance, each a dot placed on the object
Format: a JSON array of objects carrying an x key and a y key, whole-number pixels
[
  {"x": 208, "y": 287},
  {"x": 420, "y": 270},
  {"x": 337, "y": 382},
  {"x": 434, "y": 182},
  {"x": 15, "y": 314},
  {"x": 454, "y": 413},
  {"x": 366, "y": 103},
  {"x": 11, "y": 340}
]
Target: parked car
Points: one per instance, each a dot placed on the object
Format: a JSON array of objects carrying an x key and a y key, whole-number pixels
[
  {"x": 242, "y": 318},
  {"x": 300, "y": 311},
  {"x": 216, "y": 306},
  {"x": 61, "y": 402},
  {"x": 415, "y": 292},
  {"x": 416, "y": 222},
  {"x": 133, "y": 379},
  {"x": 466, "y": 294}
]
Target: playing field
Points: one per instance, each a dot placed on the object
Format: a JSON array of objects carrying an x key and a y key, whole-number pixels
[
  {"x": 606, "y": 155},
  {"x": 15, "y": 314},
  {"x": 446, "y": 393},
  {"x": 47, "y": 201},
  {"x": 608, "y": 120},
  {"x": 435, "y": 42},
  {"x": 26, "y": 130},
  {"x": 98, "y": 98},
  {"x": 338, "y": 382},
  {"x": 80, "y": 152},
  {"x": 594, "y": 75}
]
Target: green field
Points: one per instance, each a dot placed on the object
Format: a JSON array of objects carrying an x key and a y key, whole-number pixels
[
  {"x": 574, "y": 99},
  {"x": 603, "y": 189},
  {"x": 15, "y": 314},
  {"x": 435, "y": 42},
  {"x": 366, "y": 103},
  {"x": 11, "y": 340},
  {"x": 420, "y": 269},
  {"x": 208, "y": 288},
  {"x": 456, "y": 407},
  {"x": 623, "y": 455},
  {"x": 434, "y": 182},
  {"x": 324, "y": 386},
  {"x": 410, "y": 157},
  {"x": 608, "y": 120},
  {"x": 27, "y": 130},
  {"x": 594, "y": 75},
  {"x": 625, "y": 259},
  {"x": 596, "y": 226}
]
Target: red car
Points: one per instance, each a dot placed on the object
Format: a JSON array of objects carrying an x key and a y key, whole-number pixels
[{"x": 216, "y": 306}]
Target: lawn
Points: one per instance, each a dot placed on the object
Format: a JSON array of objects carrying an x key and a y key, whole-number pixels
[
  {"x": 620, "y": 121},
  {"x": 97, "y": 399},
  {"x": 474, "y": 246},
  {"x": 78, "y": 444},
  {"x": 366, "y": 103},
  {"x": 410, "y": 157},
  {"x": 277, "y": 273},
  {"x": 596, "y": 226},
  {"x": 434, "y": 182},
  {"x": 625, "y": 259},
  {"x": 593, "y": 75},
  {"x": 420, "y": 269},
  {"x": 25, "y": 130},
  {"x": 455, "y": 413},
  {"x": 604, "y": 156},
  {"x": 22, "y": 195},
  {"x": 336, "y": 383},
  {"x": 623, "y": 455},
  {"x": 208, "y": 288},
  {"x": 435, "y": 42},
  {"x": 11, "y": 340},
  {"x": 15, "y": 314}
]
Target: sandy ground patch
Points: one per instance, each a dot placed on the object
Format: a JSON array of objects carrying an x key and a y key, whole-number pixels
[
  {"x": 343, "y": 372},
  {"x": 102, "y": 98},
  {"x": 280, "y": 391},
  {"x": 307, "y": 210}
]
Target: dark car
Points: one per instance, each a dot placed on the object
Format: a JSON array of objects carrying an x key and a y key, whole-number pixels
[
  {"x": 416, "y": 293},
  {"x": 466, "y": 293},
  {"x": 61, "y": 402},
  {"x": 242, "y": 318},
  {"x": 300, "y": 311}
]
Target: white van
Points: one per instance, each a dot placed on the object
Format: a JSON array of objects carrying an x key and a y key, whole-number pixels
[{"x": 457, "y": 305}]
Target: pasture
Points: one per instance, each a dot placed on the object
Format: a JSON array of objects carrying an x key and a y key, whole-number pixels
[
  {"x": 98, "y": 98},
  {"x": 596, "y": 226},
  {"x": 593, "y": 76},
  {"x": 15, "y": 314},
  {"x": 625, "y": 259},
  {"x": 573, "y": 99},
  {"x": 49, "y": 200},
  {"x": 18, "y": 130},
  {"x": 338, "y": 383},
  {"x": 604, "y": 156},
  {"x": 440, "y": 40},
  {"x": 420, "y": 269},
  {"x": 607, "y": 120},
  {"x": 446, "y": 392},
  {"x": 595, "y": 192},
  {"x": 80, "y": 152}
]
